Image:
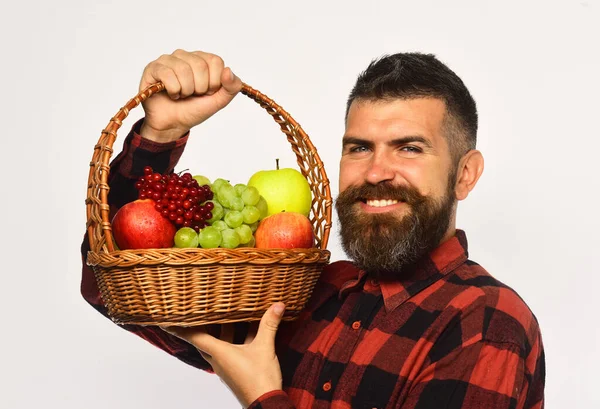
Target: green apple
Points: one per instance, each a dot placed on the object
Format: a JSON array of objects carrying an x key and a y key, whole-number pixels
[{"x": 285, "y": 190}]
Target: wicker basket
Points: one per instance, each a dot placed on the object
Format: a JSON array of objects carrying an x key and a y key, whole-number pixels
[{"x": 188, "y": 287}]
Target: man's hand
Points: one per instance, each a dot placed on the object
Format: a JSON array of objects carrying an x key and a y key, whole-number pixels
[
  {"x": 197, "y": 86},
  {"x": 249, "y": 370}
]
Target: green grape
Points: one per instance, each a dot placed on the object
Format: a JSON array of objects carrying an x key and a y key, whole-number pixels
[
  {"x": 230, "y": 239},
  {"x": 225, "y": 195},
  {"x": 218, "y": 183},
  {"x": 244, "y": 232},
  {"x": 186, "y": 237},
  {"x": 237, "y": 204},
  {"x": 250, "y": 196},
  {"x": 251, "y": 243},
  {"x": 217, "y": 212},
  {"x": 210, "y": 237},
  {"x": 262, "y": 207},
  {"x": 202, "y": 180},
  {"x": 239, "y": 188},
  {"x": 220, "y": 225},
  {"x": 234, "y": 219},
  {"x": 251, "y": 214},
  {"x": 253, "y": 226}
]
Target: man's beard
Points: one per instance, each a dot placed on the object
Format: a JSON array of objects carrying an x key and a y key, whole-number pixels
[{"x": 383, "y": 244}]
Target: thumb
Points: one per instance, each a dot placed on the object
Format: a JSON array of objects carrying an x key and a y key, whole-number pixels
[
  {"x": 269, "y": 323},
  {"x": 231, "y": 85}
]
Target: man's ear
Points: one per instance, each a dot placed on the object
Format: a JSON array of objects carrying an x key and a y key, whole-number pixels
[{"x": 470, "y": 169}]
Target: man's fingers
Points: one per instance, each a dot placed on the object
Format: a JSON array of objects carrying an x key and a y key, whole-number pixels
[
  {"x": 206, "y": 357},
  {"x": 267, "y": 329},
  {"x": 198, "y": 337},
  {"x": 231, "y": 86},
  {"x": 231, "y": 83},
  {"x": 184, "y": 73},
  {"x": 193, "y": 73},
  {"x": 158, "y": 71},
  {"x": 215, "y": 70},
  {"x": 201, "y": 71}
]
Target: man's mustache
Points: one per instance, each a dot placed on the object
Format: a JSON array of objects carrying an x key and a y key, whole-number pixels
[{"x": 382, "y": 191}]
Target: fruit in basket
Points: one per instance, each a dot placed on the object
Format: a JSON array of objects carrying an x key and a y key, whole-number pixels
[
  {"x": 245, "y": 233},
  {"x": 219, "y": 225},
  {"x": 186, "y": 237},
  {"x": 202, "y": 180},
  {"x": 285, "y": 190},
  {"x": 225, "y": 195},
  {"x": 251, "y": 214},
  {"x": 231, "y": 239},
  {"x": 216, "y": 185},
  {"x": 234, "y": 219},
  {"x": 210, "y": 237},
  {"x": 286, "y": 230},
  {"x": 251, "y": 243},
  {"x": 239, "y": 189},
  {"x": 179, "y": 199},
  {"x": 216, "y": 211},
  {"x": 138, "y": 225},
  {"x": 250, "y": 196},
  {"x": 235, "y": 212},
  {"x": 263, "y": 208},
  {"x": 254, "y": 226}
]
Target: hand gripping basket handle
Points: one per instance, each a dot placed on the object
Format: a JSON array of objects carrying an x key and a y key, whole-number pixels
[{"x": 311, "y": 166}]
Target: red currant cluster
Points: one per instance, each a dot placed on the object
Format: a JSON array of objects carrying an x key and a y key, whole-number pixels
[{"x": 179, "y": 198}]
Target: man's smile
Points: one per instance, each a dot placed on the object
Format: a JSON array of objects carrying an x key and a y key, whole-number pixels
[{"x": 380, "y": 205}]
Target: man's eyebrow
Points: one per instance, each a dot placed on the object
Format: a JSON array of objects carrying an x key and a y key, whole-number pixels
[
  {"x": 411, "y": 139},
  {"x": 353, "y": 140}
]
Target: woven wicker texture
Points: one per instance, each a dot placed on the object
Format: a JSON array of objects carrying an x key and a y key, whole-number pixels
[{"x": 204, "y": 286}]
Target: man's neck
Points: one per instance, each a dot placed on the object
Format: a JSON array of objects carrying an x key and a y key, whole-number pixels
[{"x": 451, "y": 232}]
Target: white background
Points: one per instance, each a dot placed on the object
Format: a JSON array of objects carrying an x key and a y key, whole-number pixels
[{"x": 68, "y": 66}]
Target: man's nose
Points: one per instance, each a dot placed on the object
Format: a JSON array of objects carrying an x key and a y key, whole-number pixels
[{"x": 379, "y": 170}]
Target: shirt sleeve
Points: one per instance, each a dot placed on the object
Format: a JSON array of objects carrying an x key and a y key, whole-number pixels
[
  {"x": 137, "y": 153},
  {"x": 485, "y": 374},
  {"x": 124, "y": 170},
  {"x": 273, "y": 400}
]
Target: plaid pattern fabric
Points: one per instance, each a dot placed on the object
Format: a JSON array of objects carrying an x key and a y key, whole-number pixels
[{"x": 451, "y": 336}]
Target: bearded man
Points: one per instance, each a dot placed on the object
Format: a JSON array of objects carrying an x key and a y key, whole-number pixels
[{"x": 410, "y": 322}]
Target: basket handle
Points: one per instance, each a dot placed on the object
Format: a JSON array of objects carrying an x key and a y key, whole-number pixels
[{"x": 97, "y": 209}]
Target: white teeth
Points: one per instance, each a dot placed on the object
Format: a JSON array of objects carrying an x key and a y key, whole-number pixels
[{"x": 381, "y": 203}]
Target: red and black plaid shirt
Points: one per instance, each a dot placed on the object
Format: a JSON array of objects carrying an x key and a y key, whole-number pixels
[{"x": 450, "y": 337}]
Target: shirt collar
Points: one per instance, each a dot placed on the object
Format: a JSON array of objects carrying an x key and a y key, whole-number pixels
[{"x": 444, "y": 259}]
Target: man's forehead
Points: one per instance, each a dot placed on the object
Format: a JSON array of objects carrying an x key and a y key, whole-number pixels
[{"x": 414, "y": 115}]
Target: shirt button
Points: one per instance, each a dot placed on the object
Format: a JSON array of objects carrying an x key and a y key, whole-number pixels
[
  {"x": 374, "y": 282},
  {"x": 356, "y": 325},
  {"x": 327, "y": 386}
]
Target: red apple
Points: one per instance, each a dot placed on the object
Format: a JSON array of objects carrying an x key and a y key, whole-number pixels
[
  {"x": 138, "y": 225},
  {"x": 285, "y": 230}
]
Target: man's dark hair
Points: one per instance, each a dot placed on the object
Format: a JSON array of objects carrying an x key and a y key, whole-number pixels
[{"x": 416, "y": 75}]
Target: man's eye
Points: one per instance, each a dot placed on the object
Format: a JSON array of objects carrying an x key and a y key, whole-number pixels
[
  {"x": 411, "y": 149},
  {"x": 358, "y": 149}
]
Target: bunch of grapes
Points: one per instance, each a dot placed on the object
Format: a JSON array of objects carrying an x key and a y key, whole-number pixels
[
  {"x": 179, "y": 198},
  {"x": 236, "y": 212}
]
